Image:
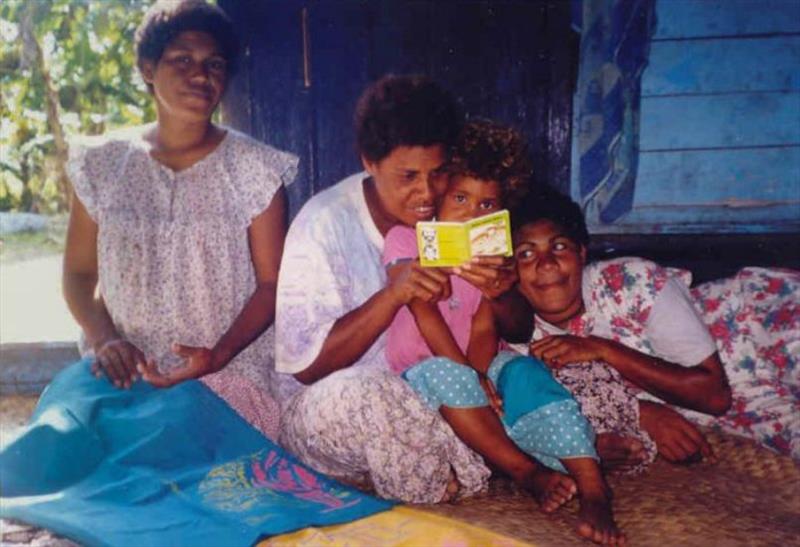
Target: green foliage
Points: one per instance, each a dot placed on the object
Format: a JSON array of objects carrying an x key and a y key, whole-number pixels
[{"x": 88, "y": 52}]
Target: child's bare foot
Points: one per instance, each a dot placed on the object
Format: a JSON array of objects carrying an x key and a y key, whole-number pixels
[
  {"x": 596, "y": 522},
  {"x": 551, "y": 489},
  {"x": 619, "y": 454}
]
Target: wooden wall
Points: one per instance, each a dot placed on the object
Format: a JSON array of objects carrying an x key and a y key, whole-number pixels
[
  {"x": 308, "y": 61},
  {"x": 720, "y": 120}
]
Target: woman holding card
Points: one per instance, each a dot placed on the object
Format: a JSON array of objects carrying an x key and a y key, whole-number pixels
[{"x": 344, "y": 413}]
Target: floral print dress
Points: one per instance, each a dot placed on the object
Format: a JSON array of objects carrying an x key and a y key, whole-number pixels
[
  {"x": 751, "y": 319},
  {"x": 173, "y": 252},
  {"x": 362, "y": 425}
]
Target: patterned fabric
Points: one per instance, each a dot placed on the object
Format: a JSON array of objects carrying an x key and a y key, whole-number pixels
[
  {"x": 362, "y": 424},
  {"x": 615, "y": 44},
  {"x": 540, "y": 416},
  {"x": 405, "y": 345},
  {"x": 103, "y": 466},
  {"x": 755, "y": 319},
  {"x": 441, "y": 381},
  {"x": 172, "y": 247},
  {"x": 369, "y": 429},
  {"x": 752, "y": 319}
]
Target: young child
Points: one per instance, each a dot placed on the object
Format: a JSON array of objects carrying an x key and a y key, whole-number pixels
[{"x": 448, "y": 352}]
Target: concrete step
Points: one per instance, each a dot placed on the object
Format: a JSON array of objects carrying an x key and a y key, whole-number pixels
[{"x": 26, "y": 368}]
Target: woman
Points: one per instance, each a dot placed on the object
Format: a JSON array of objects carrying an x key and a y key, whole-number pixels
[
  {"x": 343, "y": 412},
  {"x": 176, "y": 229},
  {"x": 727, "y": 351}
]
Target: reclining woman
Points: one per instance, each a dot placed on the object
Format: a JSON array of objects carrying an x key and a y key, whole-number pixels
[
  {"x": 344, "y": 413},
  {"x": 179, "y": 225},
  {"x": 725, "y": 351}
]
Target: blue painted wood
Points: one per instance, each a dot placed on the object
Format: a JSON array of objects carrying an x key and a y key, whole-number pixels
[
  {"x": 708, "y": 220},
  {"x": 719, "y": 66},
  {"x": 702, "y": 121},
  {"x": 722, "y": 176},
  {"x": 693, "y": 18}
]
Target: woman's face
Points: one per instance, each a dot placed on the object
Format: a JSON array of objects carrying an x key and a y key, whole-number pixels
[
  {"x": 550, "y": 267},
  {"x": 189, "y": 79},
  {"x": 407, "y": 182},
  {"x": 467, "y": 198}
]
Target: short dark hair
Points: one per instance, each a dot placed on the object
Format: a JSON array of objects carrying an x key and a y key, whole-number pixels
[
  {"x": 489, "y": 151},
  {"x": 549, "y": 204},
  {"x": 166, "y": 19},
  {"x": 404, "y": 111}
]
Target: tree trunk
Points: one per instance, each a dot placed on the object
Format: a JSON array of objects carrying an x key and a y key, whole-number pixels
[{"x": 33, "y": 53}]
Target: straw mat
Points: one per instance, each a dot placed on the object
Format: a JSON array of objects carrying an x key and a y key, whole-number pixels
[{"x": 751, "y": 496}]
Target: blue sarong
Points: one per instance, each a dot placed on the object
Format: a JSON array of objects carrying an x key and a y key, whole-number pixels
[{"x": 155, "y": 467}]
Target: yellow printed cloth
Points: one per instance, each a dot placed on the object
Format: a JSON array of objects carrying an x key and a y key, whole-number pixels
[{"x": 400, "y": 527}]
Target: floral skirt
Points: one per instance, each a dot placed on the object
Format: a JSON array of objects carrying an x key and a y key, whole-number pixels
[
  {"x": 754, "y": 318},
  {"x": 370, "y": 429}
]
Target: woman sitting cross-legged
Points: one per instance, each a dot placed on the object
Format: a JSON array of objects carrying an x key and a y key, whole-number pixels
[
  {"x": 177, "y": 228},
  {"x": 725, "y": 352}
]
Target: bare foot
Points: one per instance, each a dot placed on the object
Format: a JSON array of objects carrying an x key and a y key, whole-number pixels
[
  {"x": 551, "y": 489},
  {"x": 596, "y": 522},
  {"x": 453, "y": 486},
  {"x": 619, "y": 454}
]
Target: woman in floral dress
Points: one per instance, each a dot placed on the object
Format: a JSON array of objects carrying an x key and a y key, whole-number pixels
[
  {"x": 726, "y": 352},
  {"x": 176, "y": 229}
]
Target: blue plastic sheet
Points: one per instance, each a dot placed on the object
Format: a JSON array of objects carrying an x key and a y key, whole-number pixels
[{"x": 146, "y": 466}]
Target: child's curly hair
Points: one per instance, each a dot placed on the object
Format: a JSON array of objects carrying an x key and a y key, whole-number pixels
[{"x": 489, "y": 151}]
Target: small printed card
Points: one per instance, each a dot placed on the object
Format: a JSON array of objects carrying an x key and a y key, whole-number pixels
[{"x": 453, "y": 243}]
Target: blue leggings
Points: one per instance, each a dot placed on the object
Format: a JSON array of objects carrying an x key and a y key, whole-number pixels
[{"x": 539, "y": 414}]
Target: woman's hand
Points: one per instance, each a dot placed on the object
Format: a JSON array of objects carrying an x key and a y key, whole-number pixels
[
  {"x": 677, "y": 439},
  {"x": 197, "y": 362},
  {"x": 492, "y": 275},
  {"x": 408, "y": 280},
  {"x": 118, "y": 359},
  {"x": 565, "y": 349}
]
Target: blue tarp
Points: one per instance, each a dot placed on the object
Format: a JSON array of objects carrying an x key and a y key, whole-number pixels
[{"x": 146, "y": 466}]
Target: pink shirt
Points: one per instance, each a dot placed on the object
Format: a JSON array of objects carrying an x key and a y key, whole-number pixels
[{"x": 405, "y": 346}]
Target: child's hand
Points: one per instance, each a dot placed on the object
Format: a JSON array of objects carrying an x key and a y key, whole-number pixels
[
  {"x": 409, "y": 280},
  {"x": 495, "y": 401},
  {"x": 492, "y": 275},
  {"x": 197, "y": 362},
  {"x": 557, "y": 351}
]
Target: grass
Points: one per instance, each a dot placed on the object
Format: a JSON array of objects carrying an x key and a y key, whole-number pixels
[{"x": 29, "y": 244}]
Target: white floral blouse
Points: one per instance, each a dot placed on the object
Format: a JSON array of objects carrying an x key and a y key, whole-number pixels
[{"x": 172, "y": 247}]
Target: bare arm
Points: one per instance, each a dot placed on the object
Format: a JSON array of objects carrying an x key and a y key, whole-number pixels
[
  {"x": 703, "y": 387},
  {"x": 265, "y": 236},
  {"x": 434, "y": 330},
  {"x": 80, "y": 277},
  {"x": 114, "y": 356},
  {"x": 495, "y": 277},
  {"x": 483, "y": 338},
  {"x": 355, "y": 332}
]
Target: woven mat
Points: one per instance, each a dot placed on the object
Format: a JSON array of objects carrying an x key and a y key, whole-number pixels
[{"x": 750, "y": 497}]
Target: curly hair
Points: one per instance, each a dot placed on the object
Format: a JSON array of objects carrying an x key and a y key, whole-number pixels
[
  {"x": 166, "y": 19},
  {"x": 549, "y": 204},
  {"x": 404, "y": 111},
  {"x": 489, "y": 151}
]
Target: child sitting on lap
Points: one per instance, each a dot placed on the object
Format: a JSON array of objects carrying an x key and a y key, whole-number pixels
[{"x": 448, "y": 352}]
